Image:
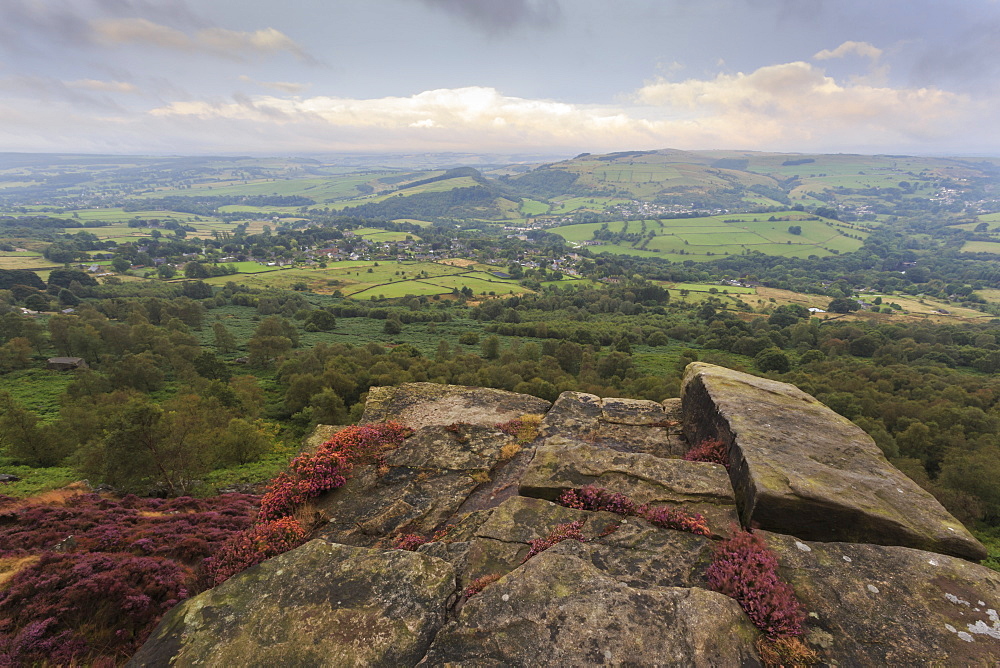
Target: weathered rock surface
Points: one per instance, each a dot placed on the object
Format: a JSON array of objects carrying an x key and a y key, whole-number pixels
[
  {"x": 799, "y": 468},
  {"x": 318, "y": 605},
  {"x": 700, "y": 487},
  {"x": 873, "y": 605},
  {"x": 428, "y": 478},
  {"x": 558, "y": 609},
  {"x": 421, "y": 404},
  {"x": 629, "y": 425},
  {"x": 631, "y": 593}
]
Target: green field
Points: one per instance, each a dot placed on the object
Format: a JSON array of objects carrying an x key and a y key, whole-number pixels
[
  {"x": 32, "y": 261},
  {"x": 734, "y": 234},
  {"x": 981, "y": 247},
  {"x": 362, "y": 279},
  {"x": 705, "y": 287}
]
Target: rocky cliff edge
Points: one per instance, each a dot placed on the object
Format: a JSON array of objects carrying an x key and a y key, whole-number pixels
[{"x": 884, "y": 573}]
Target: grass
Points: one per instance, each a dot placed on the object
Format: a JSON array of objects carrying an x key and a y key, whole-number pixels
[
  {"x": 992, "y": 247},
  {"x": 35, "y": 481},
  {"x": 26, "y": 262},
  {"x": 37, "y": 389},
  {"x": 708, "y": 237}
]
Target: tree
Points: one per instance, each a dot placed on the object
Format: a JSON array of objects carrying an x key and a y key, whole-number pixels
[
  {"x": 24, "y": 439},
  {"x": 320, "y": 321},
  {"x": 772, "y": 359},
  {"x": 795, "y": 229},
  {"x": 121, "y": 264},
  {"x": 842, "y": 305},
  {"x": 392, "y": 327},
  {"x": 225, "y": 342},
  {"x": 491, "y": 347}
]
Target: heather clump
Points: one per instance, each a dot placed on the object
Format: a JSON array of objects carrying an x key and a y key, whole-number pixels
[
  {"x": 593, "y": 498},
  {"x": 568, "y": 531},
  {"x": 81, "y": 607},
  {"x": 745, "y": 569},
  {"x": 87, "y": 577},
  {"x": 260, "y": 542},
  {"x": 480, "y": 584},
  {"x": 308, "y": 475},
  {"x": 710, "y": 450}
]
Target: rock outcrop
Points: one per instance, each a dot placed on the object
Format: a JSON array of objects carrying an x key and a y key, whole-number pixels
[
  {"x": 799, "y": 468},
  {"x": 620, "y": 590}
]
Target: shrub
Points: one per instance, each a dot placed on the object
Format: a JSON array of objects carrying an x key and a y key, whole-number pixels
[
  {"x": 745, "y": 569},
  {"x": 710, "y": 450},
  {"x": 568, "y": 531},
  {"x": 250, "y": 547}
]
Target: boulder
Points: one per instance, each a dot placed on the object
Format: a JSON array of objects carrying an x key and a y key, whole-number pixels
[
  {"x": 799, "y": 468},
  {"x": 874, "y": 605},
  {"x": 321, "y": 604},
  {"x": 699, "y": 487},
  {"x": 559, "y": 609},
  {"x": 421, "y": 404}
]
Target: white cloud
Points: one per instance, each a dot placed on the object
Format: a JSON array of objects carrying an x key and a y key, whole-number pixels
[
  {"x": 792, "y": 106},
  {"x": 863, "y": 49}
]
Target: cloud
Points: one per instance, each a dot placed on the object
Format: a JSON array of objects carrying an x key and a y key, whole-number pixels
[
  {"x": 798, "y": 104},
  {"x": 792, "y": 106},
  {"x": 863, "y": 49},
  {"x": 115, "y": 32},
  {"x": 103, "y": 86},
  {"x": 501, "y": 16},
  {"x": 282, "y": 86},
  {"x": 263, "y": 41},
  {"x": 232, "y": 43}
]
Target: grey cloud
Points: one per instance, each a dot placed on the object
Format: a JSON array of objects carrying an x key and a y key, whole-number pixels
[
  {"x": 47, "y": 90},
  {"x": 501, "y": 16},
  {"x": 971, "y": 62}
]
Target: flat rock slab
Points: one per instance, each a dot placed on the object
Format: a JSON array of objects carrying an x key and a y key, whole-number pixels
[
  {"x": 799, "y": 468},
  {"x": 319, "y": 605},
  {"x": 421, "y": 404},
  {"x": 629, "y": 425},
  {"x": 561, "y": 610},
  {"x": 699, "y": 487},
  {"x": 874, "y": 605}
]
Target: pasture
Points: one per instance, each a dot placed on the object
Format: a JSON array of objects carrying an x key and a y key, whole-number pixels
[
  {"x": 363, "y": 279},
  {"x": 992, "y": 247},
  {"x": 733, "y": 234}
]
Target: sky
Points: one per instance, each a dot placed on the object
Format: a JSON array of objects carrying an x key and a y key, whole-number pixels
[{"x": 299, "y": 77}]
